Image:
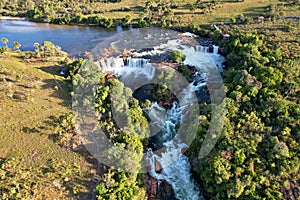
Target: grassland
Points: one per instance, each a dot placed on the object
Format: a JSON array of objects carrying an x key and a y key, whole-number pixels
[
  {"x": 32, "y": 98},
  {"x": 222, "y": 11}
]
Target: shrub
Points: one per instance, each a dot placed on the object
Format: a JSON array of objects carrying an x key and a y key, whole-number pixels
[
  {"x": 177, "y": 56},
  {"x": 4, "y": 49}
]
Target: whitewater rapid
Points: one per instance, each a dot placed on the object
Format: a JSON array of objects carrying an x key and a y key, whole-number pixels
[{"x": 176, "y": 169}]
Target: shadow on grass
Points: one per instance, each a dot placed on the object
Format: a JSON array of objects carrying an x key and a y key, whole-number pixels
[
  {"x": 29, "y": 130},
  {"x": 90, "y": 185},
  {"x": 256, "y": 11},
  {"x": 189, "y": 13},
  {"x": 55, "y": 121},
  {"x": 61, "y": 90},
  {"x": 61, "y": 87}
]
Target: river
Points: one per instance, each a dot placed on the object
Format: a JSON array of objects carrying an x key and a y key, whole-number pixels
[
  {"x": 138, "y": 71},
  {"x": 172, "y": 129},
  {"x": 73, "y": 39}
]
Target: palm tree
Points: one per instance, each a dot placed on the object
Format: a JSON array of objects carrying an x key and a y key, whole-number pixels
[
  {"x": 36, "y": 45},
  {"x": 4, "y": 41},
  {"x": 17, "y": 45}
]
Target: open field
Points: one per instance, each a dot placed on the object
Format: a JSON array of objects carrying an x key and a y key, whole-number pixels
[
  {"x": 33, "y": 97},
  {"x": 31, "y": 101},
  {"x": 223, "y": 11}
]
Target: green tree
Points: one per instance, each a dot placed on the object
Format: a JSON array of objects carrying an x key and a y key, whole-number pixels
[
  {"x": 177, "y": 56},
  {"x": 17, "y": 45},
  {"x": 4, "y": 41},
  {"x": 36, "y": 45}
]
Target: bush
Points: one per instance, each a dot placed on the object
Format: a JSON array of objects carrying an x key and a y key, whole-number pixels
[
  {"x": 73, "y": 67},
  {"x": 177, "y": 56},
  {"x": 4, "y": 49}
]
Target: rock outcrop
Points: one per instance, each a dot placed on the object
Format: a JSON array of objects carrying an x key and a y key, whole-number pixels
[{"x": 158, "y": 189}]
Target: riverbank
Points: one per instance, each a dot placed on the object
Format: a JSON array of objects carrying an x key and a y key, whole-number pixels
[
  {"x": 259, "y": 144},
  {"x": 75, "y": 40},
  {"x": 12, "y": 18}
]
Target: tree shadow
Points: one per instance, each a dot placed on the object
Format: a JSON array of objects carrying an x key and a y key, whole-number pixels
[
  {"x": 92, "y": 162},
  {"x": 60, "y": 90},
  {"x": 51, "y": 122},
  {"x": 29, "y": 130},
  {"x": 189, "y": 13},
  {"x": 256, "y": 11},
  {"x": 61, "y": 87},
  {"x": 86, "y": 180}
]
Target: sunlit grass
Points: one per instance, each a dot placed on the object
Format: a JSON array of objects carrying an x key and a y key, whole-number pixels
[{"x": 30, "y": 106}]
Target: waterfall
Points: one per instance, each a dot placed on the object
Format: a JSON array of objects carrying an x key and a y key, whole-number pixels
[
  {"x": 175, "y": 166},
  {"x": 200, "y": 48},
  {"x": 128, "y": 66}
]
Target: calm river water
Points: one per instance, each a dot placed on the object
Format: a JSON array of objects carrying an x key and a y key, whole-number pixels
[{"x": 73, "y": 39}]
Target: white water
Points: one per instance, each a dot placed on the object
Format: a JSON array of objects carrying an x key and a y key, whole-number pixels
[
  {"x": 197, "y": 56},
  {"x": 176, "y": 166},
  {"x": 200, "y": 58},
  {"x": 135, "y": 67}
]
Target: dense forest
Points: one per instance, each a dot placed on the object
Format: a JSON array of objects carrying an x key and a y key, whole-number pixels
[
  {"x": 170, "y": 13},
  {"x": 257, "y": 156},
  {"x": 258, "y": 153}
]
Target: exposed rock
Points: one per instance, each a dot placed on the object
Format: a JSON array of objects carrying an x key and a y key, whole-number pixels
[
  {"x": 109, "y": 75},
  {"x": 220, "y": 50},
  {"x": 158, "y": 167},
  {"x": 210, "y": 49},
  {"x": 290, "y": 190},
  {"x": 158, "y": 189},
  {"x": 145, "y": 50},
  {"x": 165, "y": 190},
  {"x": 151, "y": 187}
]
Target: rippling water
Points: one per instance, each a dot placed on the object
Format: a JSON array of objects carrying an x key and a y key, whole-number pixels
[{"x": 73, "y": 39}]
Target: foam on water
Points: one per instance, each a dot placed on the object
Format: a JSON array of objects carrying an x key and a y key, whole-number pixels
[
  {"x": 128, "y": 66},
  {"x": 176, "y": 166}
]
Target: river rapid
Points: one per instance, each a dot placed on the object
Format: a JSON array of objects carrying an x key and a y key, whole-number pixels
[{"x": 139, "y": 70}]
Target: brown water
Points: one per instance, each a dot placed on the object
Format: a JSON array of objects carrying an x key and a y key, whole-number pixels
[{"x": 73, "y": 39}]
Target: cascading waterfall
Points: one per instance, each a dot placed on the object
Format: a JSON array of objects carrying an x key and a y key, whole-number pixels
[
  {"x": 175, "y": 166},
  {"x": 128, "y": 66},
  {"x": 200, "y": 48}
]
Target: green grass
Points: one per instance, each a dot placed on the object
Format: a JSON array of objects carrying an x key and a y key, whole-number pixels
[
  {"x": 33, "y": 96},
  {"x": 223, "y": 11},
  {"x": 30, "y": 106}
]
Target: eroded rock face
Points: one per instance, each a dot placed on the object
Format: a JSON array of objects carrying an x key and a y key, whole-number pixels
[
  {"x": 159, "y": 189},
  {"x": 158, "y": 167},
  {"x": 151, "y": 187},
  {"x": 165, "y": 191}
]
